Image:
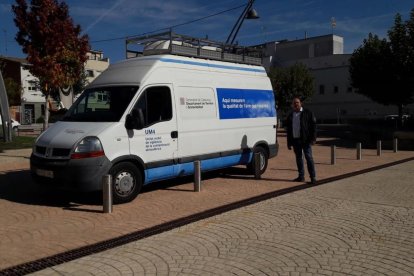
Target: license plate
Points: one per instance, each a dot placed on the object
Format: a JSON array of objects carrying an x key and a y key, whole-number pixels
[{"x": 44, "y": 173}]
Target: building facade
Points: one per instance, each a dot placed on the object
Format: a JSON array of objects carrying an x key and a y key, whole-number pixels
[
  {"x": 95, "y": 65},
  {"x": 32, "y": 99},
  {"x": 32, "y": 108},
  {"x": 334, "y": 99}
]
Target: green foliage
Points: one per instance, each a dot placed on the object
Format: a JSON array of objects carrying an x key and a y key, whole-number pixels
[
  {"x": 288, "y": 82},
  {"x": 80, "y": 85},
  {"x": 40, "y": 120},
  {"x": 383, "y": 69},
  {"x": 19, "y": 142},
  {"x": 14, "y": 91},
  {"x": 51, "y": 41}
]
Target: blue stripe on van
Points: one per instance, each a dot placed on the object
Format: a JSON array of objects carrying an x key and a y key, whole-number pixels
[
  {"x": 258, "y": 70},
  {"x": 166, "y": 172}
]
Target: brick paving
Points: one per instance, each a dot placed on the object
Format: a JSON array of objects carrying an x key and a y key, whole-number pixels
[
  {"x": 36, "y": 224},
  {"x": 356, "y": 226}
]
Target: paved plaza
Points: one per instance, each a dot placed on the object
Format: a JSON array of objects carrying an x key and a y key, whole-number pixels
[
  {"x": 359, "y": 225},
  {"x": 362, "y": 225}
]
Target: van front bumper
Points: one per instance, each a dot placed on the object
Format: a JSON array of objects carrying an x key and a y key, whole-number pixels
[{"x": 74, "y": 174}]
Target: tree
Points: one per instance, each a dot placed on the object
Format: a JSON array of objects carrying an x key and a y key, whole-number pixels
[
  {"x": 53, "y": 44},
  {"x": 13, "y": 88},
  {"x": 80, "y": 84},
  {"x": 14, "y": 91},
  {"x": 288, "y": 82},
  {"x": 383, "y": 69}
]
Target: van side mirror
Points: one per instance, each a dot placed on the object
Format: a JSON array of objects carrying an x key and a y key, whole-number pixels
[
  {"x": 135, "y": 120},
  {"x": 130, "y": 122}
]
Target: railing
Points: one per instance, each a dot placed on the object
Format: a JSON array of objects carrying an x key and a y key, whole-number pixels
[
  {"x": 34, "y": 129},
  {"x": 171, "y": 43}
]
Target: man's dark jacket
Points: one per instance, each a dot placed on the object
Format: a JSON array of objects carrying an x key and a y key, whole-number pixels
[{"x": 307, "y": 127}]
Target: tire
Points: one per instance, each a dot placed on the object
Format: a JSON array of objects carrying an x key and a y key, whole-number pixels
[
  {"x": 264, "y": 160},
  {"x": 126, "y": 182}
]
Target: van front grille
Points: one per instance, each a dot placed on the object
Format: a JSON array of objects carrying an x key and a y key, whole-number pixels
[
  {"x": 40, "y": 150},
  {"x": 52, "y": 152},
  {"x": 60, "y": 152}
]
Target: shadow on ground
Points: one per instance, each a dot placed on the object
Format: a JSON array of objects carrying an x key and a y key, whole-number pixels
[{"x": 18, "y": 186}]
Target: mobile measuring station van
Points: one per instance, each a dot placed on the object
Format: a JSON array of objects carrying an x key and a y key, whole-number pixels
[{"x": 148, "y": 118}]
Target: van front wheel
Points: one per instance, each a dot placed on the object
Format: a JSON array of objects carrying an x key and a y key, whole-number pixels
[
  {"x": 263, "y": 157},
  {"x": 126, "y": 182}
]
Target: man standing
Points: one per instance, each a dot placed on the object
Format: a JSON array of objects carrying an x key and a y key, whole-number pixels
[{"x": 301, "y": 134}]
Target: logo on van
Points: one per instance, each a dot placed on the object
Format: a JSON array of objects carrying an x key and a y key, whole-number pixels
[
  {"x": 74, "y": 131},
  {"x": 150, "y": 131}
]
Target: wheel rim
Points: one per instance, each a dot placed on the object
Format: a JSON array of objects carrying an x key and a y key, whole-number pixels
[
  {"x": 262, "y": 161},
  {"x": 124, "y": 183}
]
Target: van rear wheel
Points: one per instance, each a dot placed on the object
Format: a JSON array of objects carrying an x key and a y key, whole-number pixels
[
  {"x": 126, "y": 182},
  {"x": 263, "y": 157}
]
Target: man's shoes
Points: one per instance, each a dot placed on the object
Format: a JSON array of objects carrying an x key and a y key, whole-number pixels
[
  {"x": 299, "y": 179},
  {"x": 313, "y": 181}
]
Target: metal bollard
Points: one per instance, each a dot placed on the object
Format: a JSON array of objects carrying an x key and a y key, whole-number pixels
[
  {"x": 379, "y": 148},
  {"x": 359, "y": 151},
  {"x": 257, "y": 165},
  {"x": 395, "y": 145},
  {"x": 333, "y": 155},
  {"x": 197, "y": 176},
  {"x": 107, "y": 193}
]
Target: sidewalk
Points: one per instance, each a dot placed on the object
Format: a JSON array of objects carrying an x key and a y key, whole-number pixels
[
  {"x": 14, "y": 159},
  {"x": 35, "y": 225},
  {"x": 361, "y": 225}
]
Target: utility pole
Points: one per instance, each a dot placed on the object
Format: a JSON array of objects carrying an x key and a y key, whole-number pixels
[
  {"x": 333, "y": 24},
  {"x": 4, "y": 112}
]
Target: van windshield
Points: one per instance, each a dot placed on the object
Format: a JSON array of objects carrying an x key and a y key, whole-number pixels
[{"x": 102, "y": 104}]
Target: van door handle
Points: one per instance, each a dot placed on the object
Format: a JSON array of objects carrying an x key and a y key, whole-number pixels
[{"x": 174, "y": 134}]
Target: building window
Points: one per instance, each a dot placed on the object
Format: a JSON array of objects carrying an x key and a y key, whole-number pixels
[
  {"x": 336, "y": 89},
  {"x": 102, "y": 97},
  {"x": 29, "y": 117},
  {"x": 349, "y": 90},
  {"x": 322, "y": 89}
]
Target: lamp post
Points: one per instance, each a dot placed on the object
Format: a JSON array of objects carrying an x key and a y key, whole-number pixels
[
  {"x": 248, "y": 13},
  {"x": 4, "y": 112}
]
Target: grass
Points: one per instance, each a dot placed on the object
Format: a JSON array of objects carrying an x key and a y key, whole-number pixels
[{"x": 18, "y": 142}]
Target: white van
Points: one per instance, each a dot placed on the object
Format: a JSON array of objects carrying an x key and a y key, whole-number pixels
[{"x": 149, "y": 118}]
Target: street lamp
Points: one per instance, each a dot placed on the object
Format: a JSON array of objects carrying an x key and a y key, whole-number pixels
[{"x": 248, "y": 13}]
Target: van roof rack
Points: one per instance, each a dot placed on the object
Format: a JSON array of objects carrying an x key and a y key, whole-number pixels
[{"x": 182, "y": 45}]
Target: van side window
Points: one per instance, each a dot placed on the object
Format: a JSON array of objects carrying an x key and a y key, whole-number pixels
[{"x": 155, "y": 104}]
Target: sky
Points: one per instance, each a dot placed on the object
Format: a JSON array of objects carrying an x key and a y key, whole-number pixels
[{"x": 108, "y": 22}]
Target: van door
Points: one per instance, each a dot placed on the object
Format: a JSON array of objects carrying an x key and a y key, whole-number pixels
[{"x": 156, "y": 143}]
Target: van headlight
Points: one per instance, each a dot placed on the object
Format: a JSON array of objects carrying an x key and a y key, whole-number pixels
[{"x": 88, "y": 147}]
